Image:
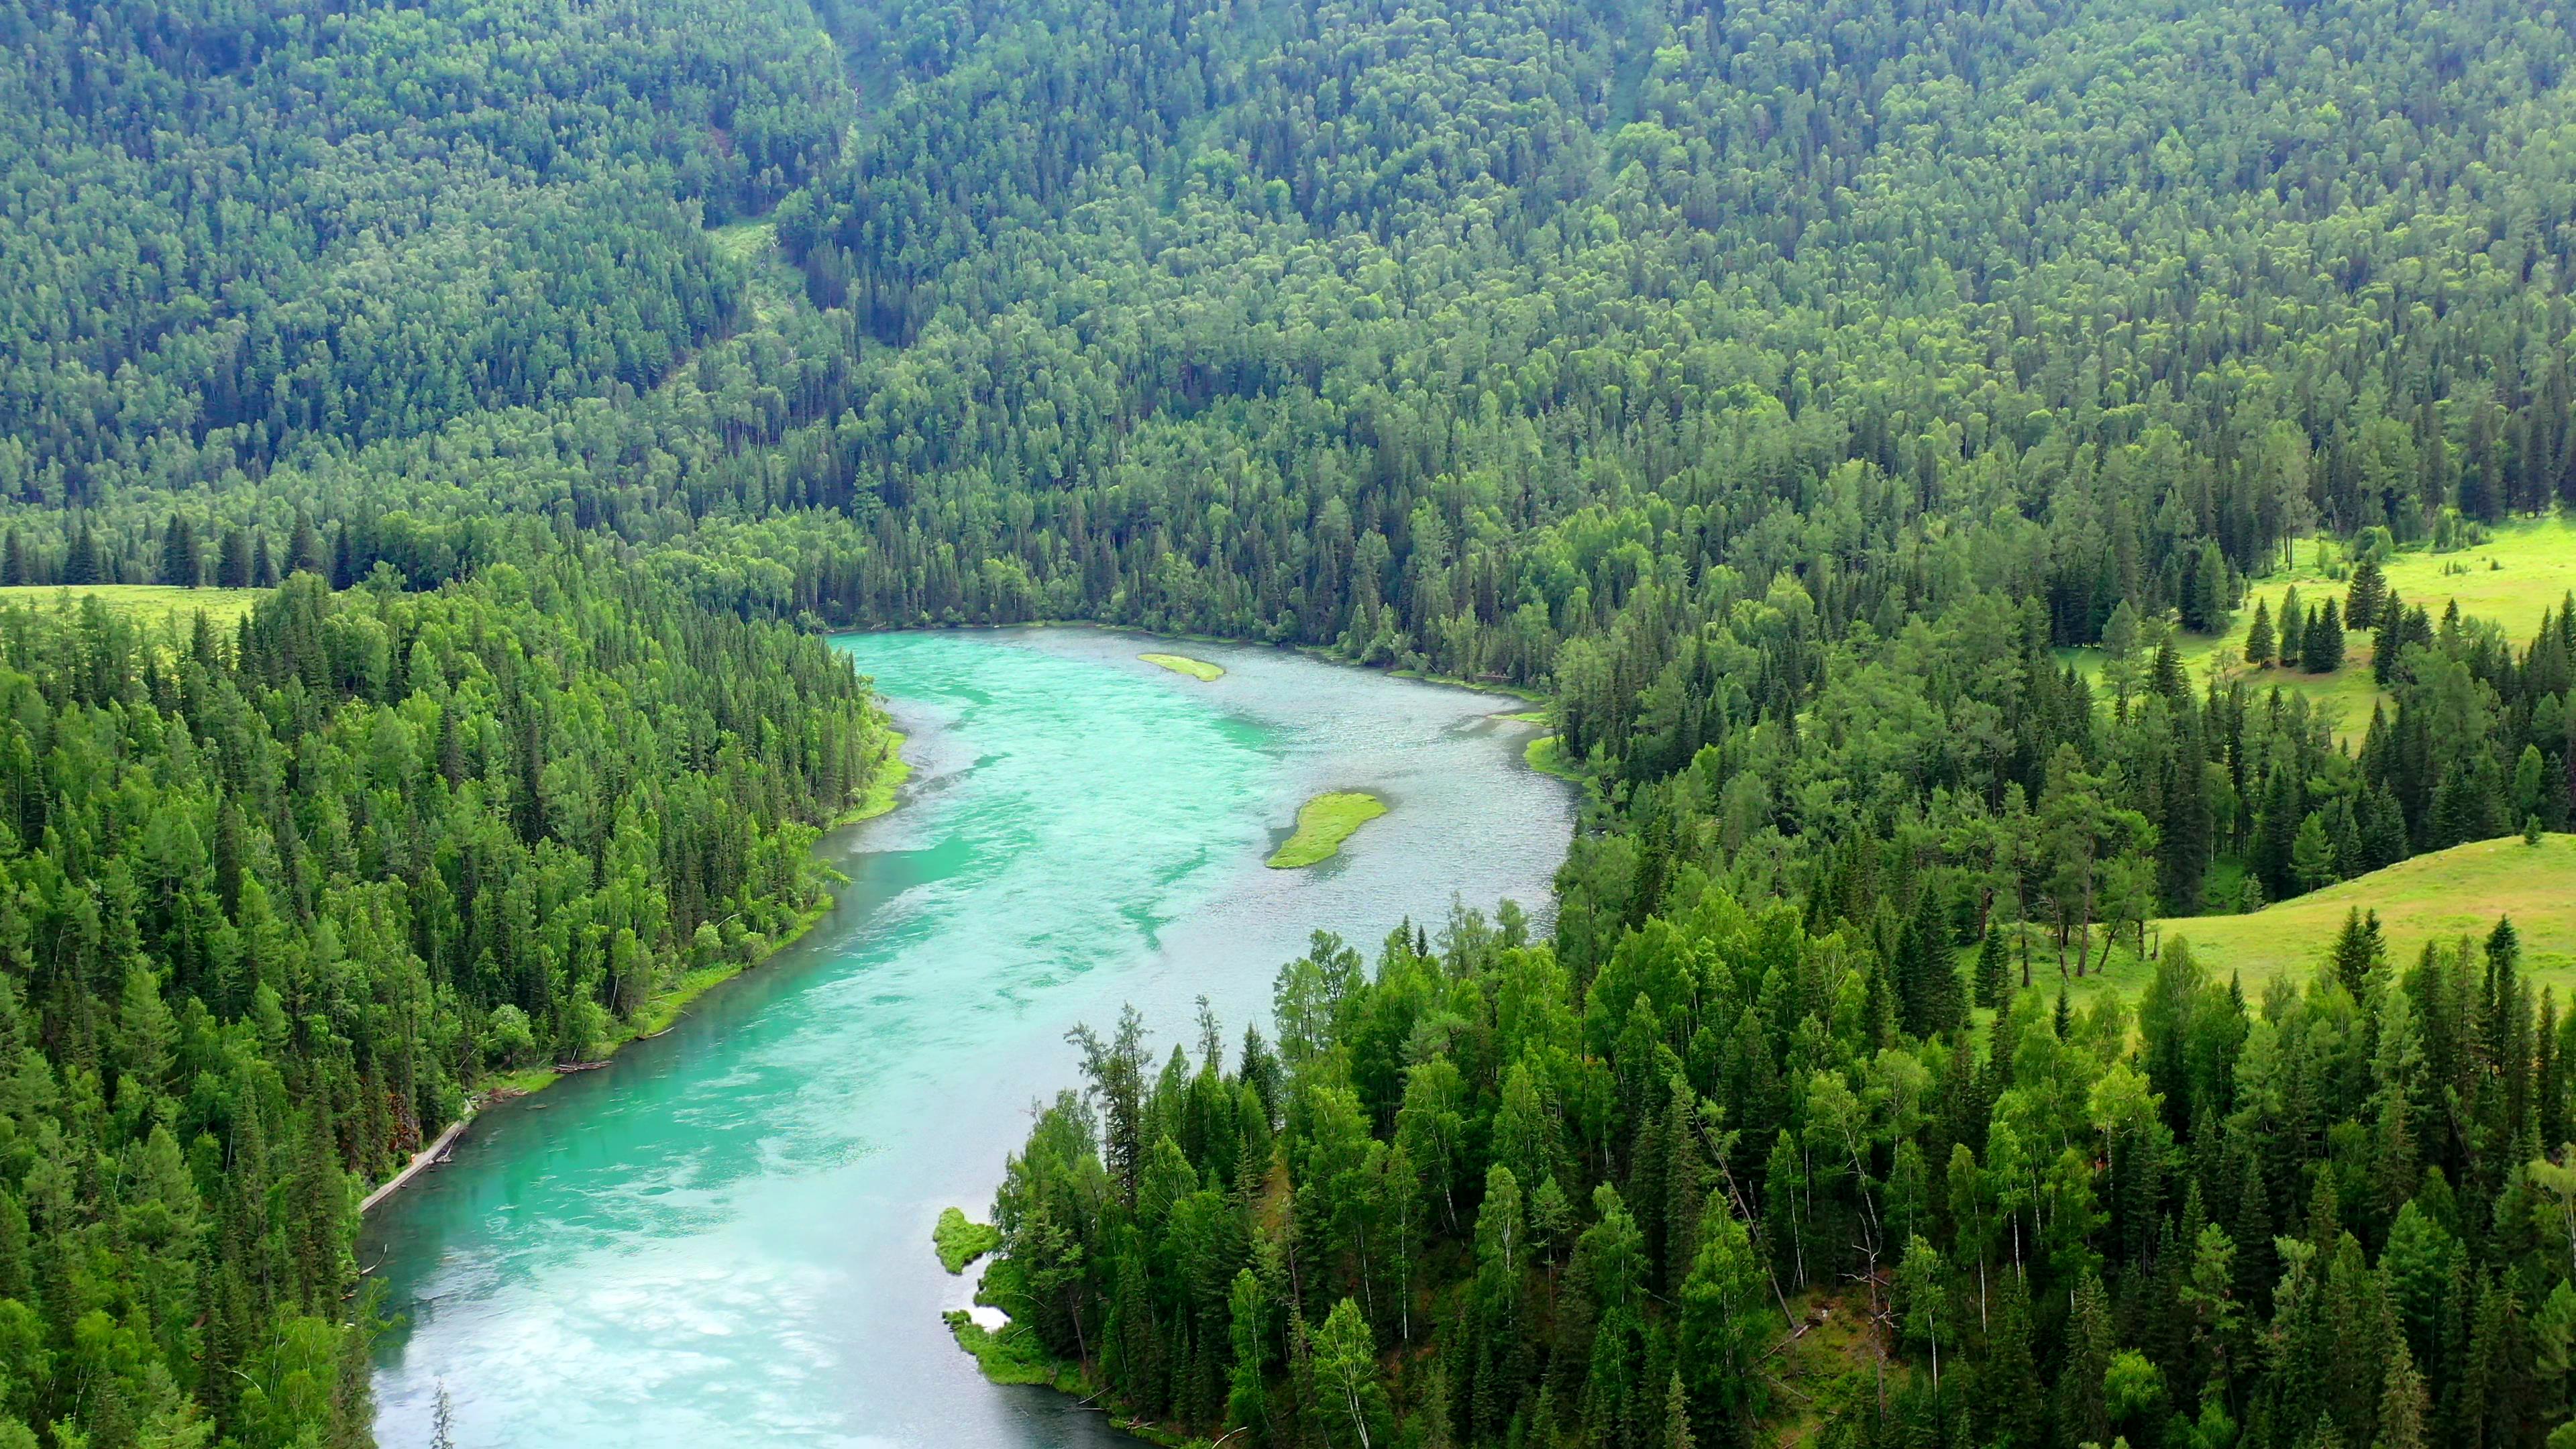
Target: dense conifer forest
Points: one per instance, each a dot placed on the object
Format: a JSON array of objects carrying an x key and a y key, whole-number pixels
[{"x": 1856, "y": 419}]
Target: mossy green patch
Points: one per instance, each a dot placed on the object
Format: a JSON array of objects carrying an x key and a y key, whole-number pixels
[
  {"x": 1323, "y": 823},
  {"x": 521, "y": 1083},
  {"x": 1198, "y": 669},
  {"x": 961, "y": 1240}
]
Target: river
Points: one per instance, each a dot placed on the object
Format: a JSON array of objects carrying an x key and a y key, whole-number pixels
[{"x": 724, "y": 1238}]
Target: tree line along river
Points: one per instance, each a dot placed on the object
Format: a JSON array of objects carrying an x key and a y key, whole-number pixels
[{"x": 725, "y": 1238}]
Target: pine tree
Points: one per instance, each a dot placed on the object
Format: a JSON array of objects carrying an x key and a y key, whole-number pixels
[
  {"x": 304, "y": 551},
  {"x": 2259, "y": 643},
  {"x": 2368, "y": 594},
  {"x": 2083, "y": 1413},
  {"x": 2401, "y": 1403},
  {"x": 2294, "y": 623},
  {"x": 1994, "y": 970},
  {"x": 2312, "y": 853},
  {"x": 80, "y": 556},
  {"x": 232, "y": 565},
  {"x": 2357, "y": 950},
  {"x": 179, "y": 553},
  {"x": 2165, "y": 677},
  {"x": 2321, "y": 646},
  {"x": 1677, "y": 1428}
]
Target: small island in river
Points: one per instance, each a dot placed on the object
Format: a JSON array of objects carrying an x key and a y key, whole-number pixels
[
  {"x": 1323, "y": 823},
  {"x": 1198, "y": 669}
]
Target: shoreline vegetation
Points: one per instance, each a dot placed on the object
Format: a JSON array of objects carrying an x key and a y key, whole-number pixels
[
  {"x": 884, "y": 787},
  {"x": 961, "y": 1240},
  {"x": 1546, "y": 754},
  {"x": 1198, "y": 669},
  {"x": 665, "y": 1009},
  {"x": 1323, "y": 823}
]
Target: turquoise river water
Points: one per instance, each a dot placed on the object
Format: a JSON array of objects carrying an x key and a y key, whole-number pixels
[{"x": 724, "y": 1238}]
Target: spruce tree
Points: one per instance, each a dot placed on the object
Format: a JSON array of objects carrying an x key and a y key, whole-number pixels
[
  {"x": 2369, "y": 592},
  {"x": 1994, "y": 970},
  {"x": 179, "y": 553},
  {"x": 2259, "y": 643},
  {"x": 2321, "y": 646}
]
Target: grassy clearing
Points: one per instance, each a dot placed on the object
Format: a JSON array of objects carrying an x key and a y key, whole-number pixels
[
  {"x": 2441, "y": 897},
  {"x": 521, "y": 1083},
  {"x": 1198, "y": 669},
  {"x": 961, "y": 1240},
  {"x": 775, "y": 287},
  {"x": 1817, "y": 1362},
  {"x": 152, "y": 606},
  {"x": 2437, "y": 897},
  {"x": 883, "y": 789},
  {"x": 1323, "y": 823},
  {"x": 2521, "y": 572}
]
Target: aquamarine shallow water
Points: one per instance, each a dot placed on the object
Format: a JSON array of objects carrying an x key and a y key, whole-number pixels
[{"x": 724, "y": 1238}]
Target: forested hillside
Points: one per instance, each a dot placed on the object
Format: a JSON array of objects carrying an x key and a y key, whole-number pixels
[
  {"x": 1782, "y": 388},
  {"x": 273, "y": 901}
]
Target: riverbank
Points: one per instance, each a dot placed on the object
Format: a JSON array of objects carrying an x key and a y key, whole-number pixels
[
  {"x": 885, "y": 787},
  {"x": 662, "y": 1011},
  {"x": 1320, "y": 653}
]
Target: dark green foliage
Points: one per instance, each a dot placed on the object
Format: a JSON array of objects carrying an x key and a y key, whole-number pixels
[
  {"x": 2321, "y": 643},
  {"x": 272, "y": 905},
  {"x": 2102, "y": 1250}
]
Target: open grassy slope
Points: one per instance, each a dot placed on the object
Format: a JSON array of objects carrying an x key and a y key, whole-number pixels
[{"x": 2442, "y": 896}]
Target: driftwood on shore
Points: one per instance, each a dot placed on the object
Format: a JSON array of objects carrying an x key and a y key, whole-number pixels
[{"x": 430, "y": 1156}]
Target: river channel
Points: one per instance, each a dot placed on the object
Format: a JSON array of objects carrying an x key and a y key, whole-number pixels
[{"x": 724, "y": 1238}]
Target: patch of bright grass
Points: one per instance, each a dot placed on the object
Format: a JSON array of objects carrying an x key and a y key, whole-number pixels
[
  {"x": 2436, "y": 897},
  {"x": 520, "y": 1083},
  {"x": 151, "y": 606},
  {"x": 961, "y": 1240},
  {"x": 1323, "y": 823},
  {"x": 1198, "y": 669},
  {"x": 1546, "y": 754},
  {"x": 2522, "y": 571}
]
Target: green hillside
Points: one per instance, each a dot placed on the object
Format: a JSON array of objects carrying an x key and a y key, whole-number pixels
[
  {"x": 2460, "y": 891},
  {"x": 2436, "y": 897}
]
